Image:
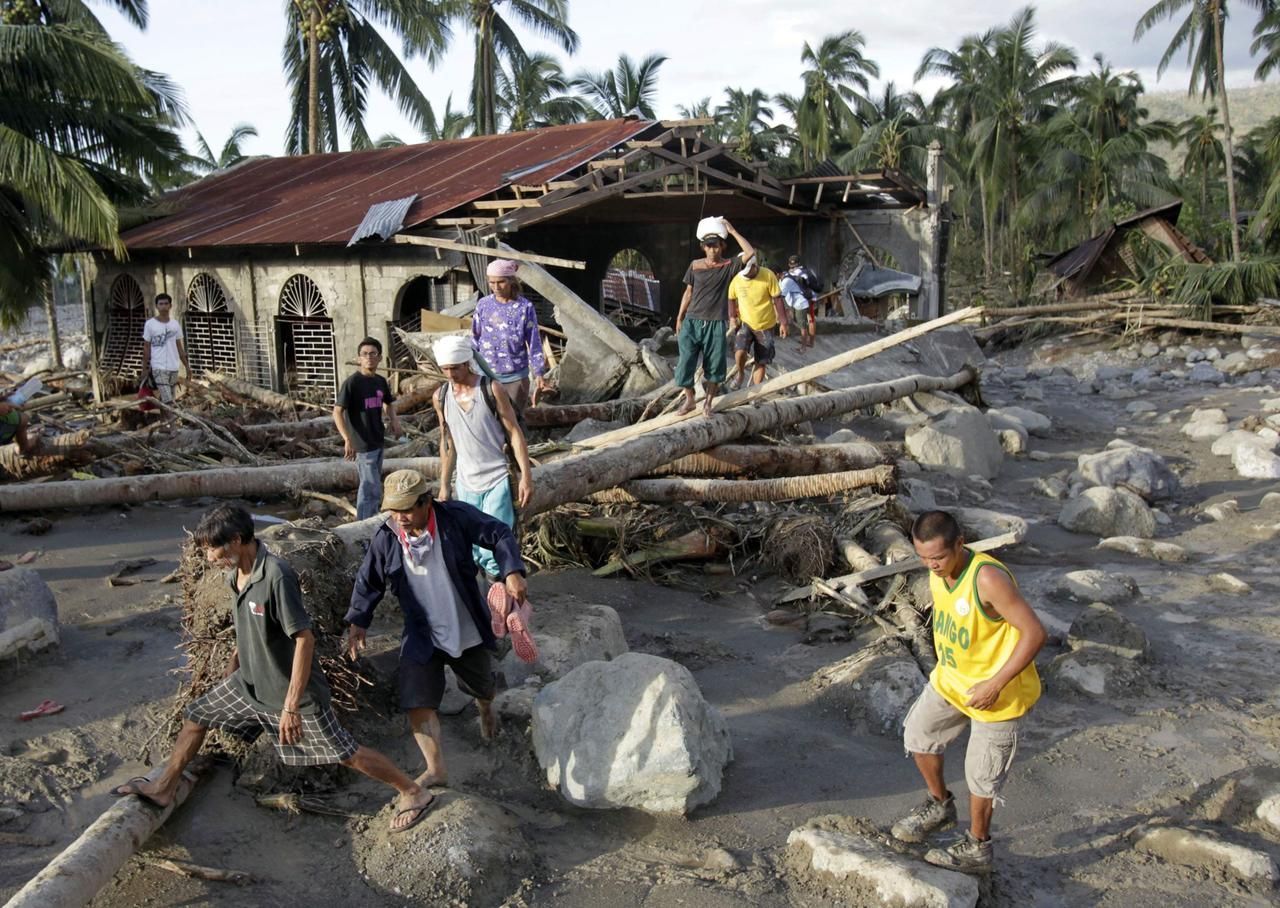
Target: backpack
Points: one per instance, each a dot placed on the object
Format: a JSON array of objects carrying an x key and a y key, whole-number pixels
[{"x": 486, "y": 388}]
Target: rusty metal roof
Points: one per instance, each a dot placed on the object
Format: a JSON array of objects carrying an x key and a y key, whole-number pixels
[{"x": 321, "y": 199}]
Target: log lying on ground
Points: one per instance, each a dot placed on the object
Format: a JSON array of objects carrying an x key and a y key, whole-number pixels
[
  {"x": 786, "y": 488},
  {"x": 62, "y": 452},
  {"x": 545, "y": 416},
  {"x": 786, "y": 380},
  {"x": 854, "y": 555},
  {"x": 236, "y": 482},
  {"x": 578, "y": 475},
  {"x": 775, "y": 460},
  {"x": 74, "y": 877},
  {"x": 848, "y": 581},
  {"x": 235, "y": 387}
]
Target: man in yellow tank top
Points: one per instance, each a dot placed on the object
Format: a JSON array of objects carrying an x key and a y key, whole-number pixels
[{"x": 986, "y": 637}]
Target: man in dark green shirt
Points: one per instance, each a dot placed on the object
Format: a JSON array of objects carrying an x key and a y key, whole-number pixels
[
  {"x": 273, "y": 681},
  {"x": 704, "y": 309}
]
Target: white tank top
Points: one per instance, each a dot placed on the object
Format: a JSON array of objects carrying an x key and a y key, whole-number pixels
[{"x": 478, "y": 440}]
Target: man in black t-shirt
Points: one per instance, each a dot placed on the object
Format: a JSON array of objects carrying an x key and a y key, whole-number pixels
[
  {"x": 358, "y": 415},
  {"x": 704, "y": 309}
]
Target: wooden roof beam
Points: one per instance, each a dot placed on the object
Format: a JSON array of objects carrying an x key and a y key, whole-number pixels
[{"x": 530, "y": 216}]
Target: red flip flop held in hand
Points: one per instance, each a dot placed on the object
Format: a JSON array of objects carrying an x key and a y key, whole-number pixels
[
  {"x": 499, "y": 608},
  {"x": 518, "y": 622}
]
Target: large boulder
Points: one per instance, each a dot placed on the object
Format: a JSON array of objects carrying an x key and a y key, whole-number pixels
[
  {"x": 467, "y": 851},
  {"x": 1226, "y": 445},
  {"x": 634, "y": 732},
  {"x": 1138, "y": 469},
  {"x": 1105, "y": 511},
  {"x": 1092, "y": 671},
  {"x": 28, "y": 613},
  {"x": 1102, "y": 626},
  {"x": 1207, "y": 850},
  {"x": 569, "y": 633},
  {"x": 875, "y": 686},
  {"x": 960, "y": 441},
  {"x": 1097, "y": 586},
  {"x": 1204, "y": 424},
  {"x": 1255, "y": 462},
  {"x": 1145, "y": 548}
]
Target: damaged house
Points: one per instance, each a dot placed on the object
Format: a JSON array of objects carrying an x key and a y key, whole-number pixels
[{"x": 279, "y": 266}]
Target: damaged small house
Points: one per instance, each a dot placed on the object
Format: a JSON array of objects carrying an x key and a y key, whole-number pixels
[{"x": 278, "y": 266}]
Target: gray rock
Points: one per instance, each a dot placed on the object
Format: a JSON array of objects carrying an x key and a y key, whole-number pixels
[
  {"x": 1229, "y": 583},
  {"x": 1225, "y": 445},
  {"x": 1205, "y": 374},
  {"x": 1012, "y": 441},
  {"x": 1145, "y": 548},
  {"x": 1269, "y": 811},
  {"x": 1108, "y": 512},
  {"x": 1150, "y": 350},
  {"x": 960, "y": 442},
  {"x": 1195, "y": 356},
  {"x": 1092, "y": 671},
  {"x": 28, "y": 613},
  {"x": 634, "y": 732},
  {"x": 1139, "y": 469},
  {"x": 1205, "y": 424},
  {"x": 467, "y": 850},
  {"x": 843, "y": 437},
  {"x": 1270, "y": 404},
  {"x": 1140, "y": 406},
  {"x": 1117, "y": 391},
  {"x": 1102, "y": 626},
  {"x": 1203, "y": 849},
  {"x": 1097, "y": 586},
  {"x": 1033, "y": 393},
  {"x": 1255, "y": 462},
  {"x": 1020, "y": 417},
  {"x": 875, "y": 686},
  {"x": 916, "y": 495},
  {"x": 569, "y": 633},
  {"x": 1223, "y": 510},
  {"x": 1051, "y": 487},
  {"x": 876, "y": 875},
  {"x": 1235, "y": 362}
]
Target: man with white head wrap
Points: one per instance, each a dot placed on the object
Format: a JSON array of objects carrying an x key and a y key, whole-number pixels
[{"x": 475, "y": 429}]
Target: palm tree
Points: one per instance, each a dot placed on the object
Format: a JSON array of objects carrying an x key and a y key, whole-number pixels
[
  {"x": 453, "y": 124},
  {"x": 700, "y": 109},
  {"x": 1264, "y": 144},
  {"x": 835, "y": 68},
  {"x": 1020, "y": 92},
  {"x": 230, "y": 153},
  {"x": 537, "y": 93},
  {"x": 1266, "y": 39},
  {"x": 496, "y": 41},
  {"x": 333, "y": 54},
  {"x": 1201, "y": 33},
  {"x": 82, "y": 130},
  {"x": 1205, "y": 156},
  {"x": 741, "y": 120},
  {"x": 74, "y": 13},
  {"x": 896, "y": 134},
  {"x": 627, "y": 89}
]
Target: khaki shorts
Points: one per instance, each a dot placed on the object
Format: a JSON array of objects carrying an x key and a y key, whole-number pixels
[{"x": 932, "y": 723}]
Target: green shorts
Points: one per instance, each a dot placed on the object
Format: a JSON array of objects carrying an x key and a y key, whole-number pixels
[{"x": 705, "y": 340}]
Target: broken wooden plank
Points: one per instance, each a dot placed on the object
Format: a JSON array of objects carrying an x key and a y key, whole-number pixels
[{"x": 507, "y": 253}]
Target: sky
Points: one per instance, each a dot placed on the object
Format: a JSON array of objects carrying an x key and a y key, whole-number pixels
[{"x": 226, "y": 56}]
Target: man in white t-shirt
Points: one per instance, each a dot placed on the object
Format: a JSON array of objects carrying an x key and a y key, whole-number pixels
[{"x": 162, "y": 349}]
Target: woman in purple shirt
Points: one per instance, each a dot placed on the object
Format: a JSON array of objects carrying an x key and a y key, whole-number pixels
[{"x": 504, "y": 331}]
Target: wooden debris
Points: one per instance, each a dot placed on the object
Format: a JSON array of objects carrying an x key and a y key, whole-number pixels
[
  {"x": 786, "y": 488},
  {"x": 200, "y": 872},
  {"x": 331, "y": 499},
  {"x": 692, "y": 546},
  {"x": 776, "y": 460},
  {"x": 120, "y": 570}
]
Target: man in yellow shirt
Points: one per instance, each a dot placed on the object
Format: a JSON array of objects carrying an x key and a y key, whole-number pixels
[
  {"x": 986, "y": 637},
  {"x": 756, "y": 314}
]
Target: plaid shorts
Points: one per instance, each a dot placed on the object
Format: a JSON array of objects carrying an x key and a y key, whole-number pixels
[{"x": 323, "y": 739}]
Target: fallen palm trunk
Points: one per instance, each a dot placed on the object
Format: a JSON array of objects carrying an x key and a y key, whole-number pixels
[
  {"x": 546, "y": 416},
  {"x": 578, "y": 475},
  {"x": 417, "y": 399},
  {"x": 787, "y": 379},
  {"x": 848, "y": 581},
  {"x": 62, "y": 452},
  {"x": 237, "y": 388},
  {"x": 74, "y": 877},
  {"x": 786, "y": 488},
  {"x": 237, "y": 482},
  {"x": 854, "y": 555},
  {"x": 773, "y": 460}
]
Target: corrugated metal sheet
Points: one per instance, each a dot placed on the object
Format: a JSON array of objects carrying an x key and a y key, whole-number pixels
[
  {"x": 383, "y": 220},
  {"x": 321, "y": 199}
]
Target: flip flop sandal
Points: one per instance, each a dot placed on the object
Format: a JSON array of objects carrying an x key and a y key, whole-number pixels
[
  {"x": 418, "y": 814},
  {"x": 499, "y": 609},
  {"x": 46, "y": 708},
  {"x": 521, "y": 636}
]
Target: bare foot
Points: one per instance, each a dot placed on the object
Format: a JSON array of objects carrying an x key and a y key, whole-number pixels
[
  {"x": 488, "y": 726},
  {"x": 145, "y": 789},
  {"x": 411, "y": 808},
  {"x": 685, "y": 408},
  {"x": 707, "y": 404},
  {"x": 433, "y": 780}
]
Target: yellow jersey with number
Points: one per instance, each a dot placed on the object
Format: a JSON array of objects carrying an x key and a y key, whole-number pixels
[{"x": 972, "y": 644}]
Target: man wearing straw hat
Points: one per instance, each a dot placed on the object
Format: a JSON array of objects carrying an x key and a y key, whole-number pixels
[{"x": 477, "y": 421}]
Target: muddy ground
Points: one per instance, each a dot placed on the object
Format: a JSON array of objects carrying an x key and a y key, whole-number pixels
[{"x": 1087, "y": 771}]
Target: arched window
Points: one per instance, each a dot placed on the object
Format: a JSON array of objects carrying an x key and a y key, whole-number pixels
[
  {"x": 210, "y": 327},
  {"x": 301, "y": 298},
  {"x": 304, "y": 342},
  {"x": 126, "y": 316},
  {"x": 206, "y": 295}
]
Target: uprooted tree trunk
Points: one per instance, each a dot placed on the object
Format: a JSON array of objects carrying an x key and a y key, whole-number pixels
[
  {"x": 786, "y": 488},
  {"x": 62, "y": 452},
  {"x": 578, "y": 475},
  {"x": 236, "y": 388},
  {"x": 772, "y": 460},
  {"x": 74, "y": 877},
  {"x": 546, "y": 416},
  {"x": 236, "y": 482}
]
